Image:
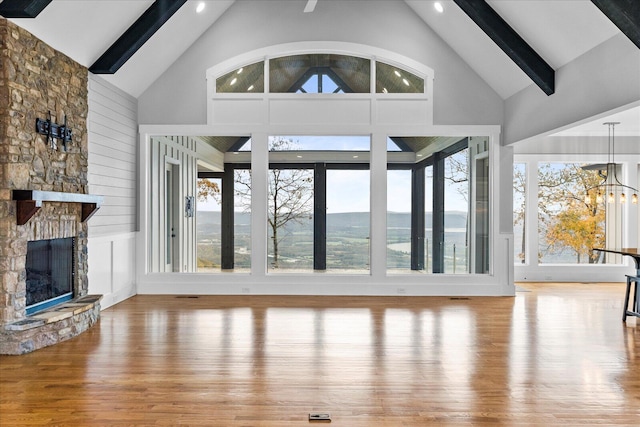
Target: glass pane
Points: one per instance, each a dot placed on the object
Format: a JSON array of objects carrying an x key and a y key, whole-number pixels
[
  {"x": 208, "y": 224},
  {"x": 519, "y": 205},
  {"x": 348, "y": 215},
  {"x": 247, "y": 79},
  {"x": 569, "y": 224},
  {"x": 392, "y": 145},
  {"x": 319, "y": 73},
  {"x": 399, "y": 228},
  {"x": 318, "y": 143},
  {"x": 290, "y": 220},
  {"x": 428, "y": 220},
  {"x": 399, "y": 219},
  {"x": 480, "y": 242},
  {"x": 242, "y": 220},
  {"x": 456, "y": 208},
  {"x": 391, "y": 79}
]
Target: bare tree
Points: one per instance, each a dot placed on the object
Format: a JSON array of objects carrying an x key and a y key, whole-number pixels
[
  {"x": 290, "y": 199},
  {"x": 519, "y": 207},
  {"x": 457, "y": 173},
  {"x": 290, "y": 195}
]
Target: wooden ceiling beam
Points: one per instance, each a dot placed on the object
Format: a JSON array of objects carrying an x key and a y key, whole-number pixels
[
  {"x": 22, "y": 8},
  {"x": 625, "y": 14},
  {"x": 510, "y": 42},
  {"x": 136, "y": 36}
]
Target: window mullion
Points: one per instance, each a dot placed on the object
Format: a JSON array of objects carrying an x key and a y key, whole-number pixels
[
  {"x": 227, "y": 218},
  {"x": 320, "y": 217}
]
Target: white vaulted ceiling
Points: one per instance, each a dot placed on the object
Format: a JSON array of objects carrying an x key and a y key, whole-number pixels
[
  {"x": 558, "y": 30},
  {"x": 84, "y": 30}
]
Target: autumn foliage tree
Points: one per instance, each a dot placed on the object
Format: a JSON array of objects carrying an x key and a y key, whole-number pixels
[
  {"x": 569, "y": 219},
  {"x": 208, "y": 189}
]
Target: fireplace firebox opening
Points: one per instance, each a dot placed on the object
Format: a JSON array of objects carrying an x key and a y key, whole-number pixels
[{"x": 50, "y": 268}]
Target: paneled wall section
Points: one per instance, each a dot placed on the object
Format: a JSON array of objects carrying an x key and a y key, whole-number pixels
[
  {"x": 113, "y": 147},
  {"x": 113, "y": 172}
]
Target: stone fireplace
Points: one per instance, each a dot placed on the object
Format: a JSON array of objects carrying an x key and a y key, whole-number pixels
[{"x": 43, "y": 186}]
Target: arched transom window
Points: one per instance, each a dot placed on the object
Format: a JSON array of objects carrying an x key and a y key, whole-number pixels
[{"x": 320, "y": 73}]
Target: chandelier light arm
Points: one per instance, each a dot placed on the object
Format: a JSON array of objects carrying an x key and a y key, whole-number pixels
[
  {"x": 610, "y": 186},
  {"x": 611, "y": 181}
]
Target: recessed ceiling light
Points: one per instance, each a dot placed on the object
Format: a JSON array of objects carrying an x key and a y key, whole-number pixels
[
  {"x": 250, "y": 88},
  {"x": 200, "y": 7},
  {"x": 397, "y": 73},
  {"x": 438, "y": 7},
  {"x": 233, "y": 81},
  {"x": 240, "y": 70},
  {"x": 384, "y": 90},
  {"x": 299, "y": 156},
  {"x": 405, "y": 82},
  {"x": 355, "y": 157}
]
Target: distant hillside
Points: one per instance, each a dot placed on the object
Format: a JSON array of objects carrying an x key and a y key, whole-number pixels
[{"x": 349, "y": 222}]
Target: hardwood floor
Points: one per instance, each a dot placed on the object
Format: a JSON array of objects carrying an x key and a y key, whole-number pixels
[{"x": 557, "y": 355}]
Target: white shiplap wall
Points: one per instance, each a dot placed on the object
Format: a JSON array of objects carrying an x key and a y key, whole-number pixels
[{"x": 113, "y": 149}]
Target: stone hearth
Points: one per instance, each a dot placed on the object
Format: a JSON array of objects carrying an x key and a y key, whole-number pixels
[{"x": 35, "y": 81}]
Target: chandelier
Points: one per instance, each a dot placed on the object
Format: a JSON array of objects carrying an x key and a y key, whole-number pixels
[{"x": 610, "y": 187}]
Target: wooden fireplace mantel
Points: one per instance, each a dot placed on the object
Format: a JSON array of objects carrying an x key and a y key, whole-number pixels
[{"x": 30, "y": 201}]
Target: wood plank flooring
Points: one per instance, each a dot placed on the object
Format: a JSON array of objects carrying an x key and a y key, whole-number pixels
[{"x": 556, "y": 355}]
